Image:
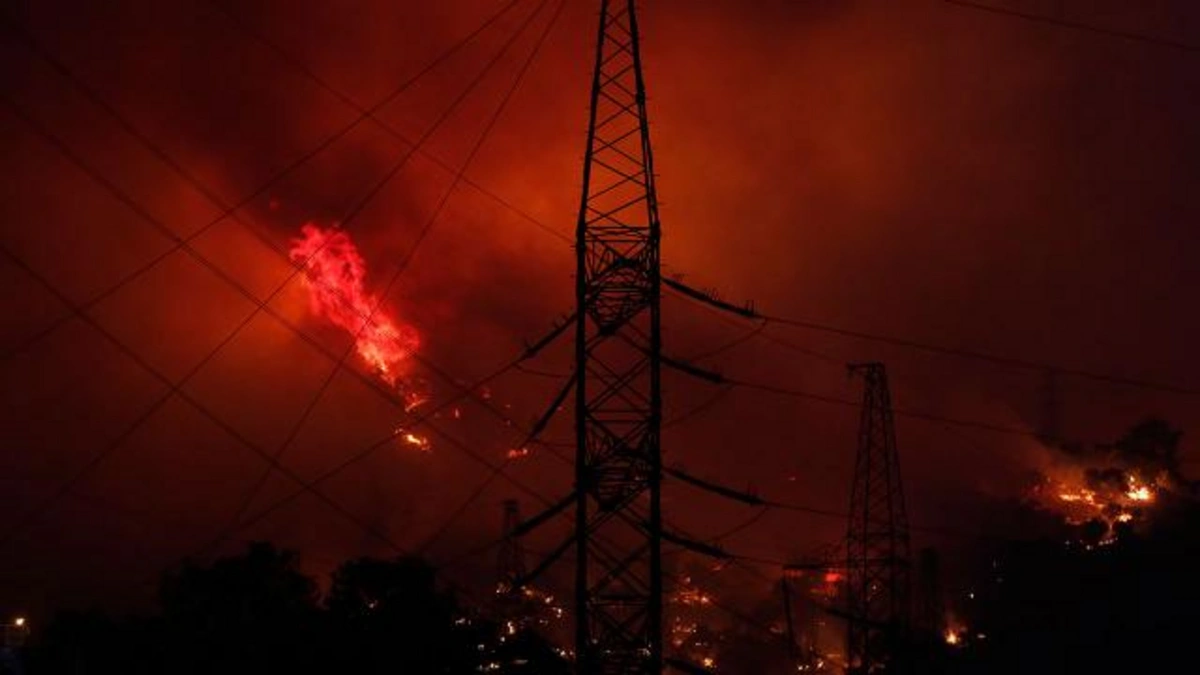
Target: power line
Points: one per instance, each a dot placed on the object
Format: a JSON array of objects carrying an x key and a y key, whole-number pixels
[
  {"x": 124, "y": 198},
  {"x": 175, "y": 166},
  {"x": 984, "y": 356},
  {"x": 697, "y": 409},
  {"x": 458, "y": 176},
  {"x": 497, "y": 469},
  {"x": 1076, "y": 25},
  {"x": 1025, "y": 364},
  {"x": 928, "y": 417},
  {"x": 495, "y": 473},
  {"x": 962, "y": 353},
  {"x": 101, "y": 180},
  {"x": 133, "y": 355},
  {"x": 731, "y": 344},
  {"x": 230, "y": 211},
  {"x": 371, "y": 113},
  {"x": 744, "y": 525},
  {"x": 340, "y": 364},
  {"x": 133, "y": 205},
  {"x": 173, "y": 389}
]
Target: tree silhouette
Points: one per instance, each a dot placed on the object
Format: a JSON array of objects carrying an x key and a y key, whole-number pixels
[
  {"x": 258, "y": 613},
  {"x": 251, "y": 613},
  {"x": 389, "y": 616}
]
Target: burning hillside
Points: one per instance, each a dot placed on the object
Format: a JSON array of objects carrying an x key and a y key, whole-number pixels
[
  {"x": 335, "y": 276},
  {"x": 1111, "y": 488}
]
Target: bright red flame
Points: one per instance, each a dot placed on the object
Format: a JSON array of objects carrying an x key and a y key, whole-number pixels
[{"x": 335, "y": 274}]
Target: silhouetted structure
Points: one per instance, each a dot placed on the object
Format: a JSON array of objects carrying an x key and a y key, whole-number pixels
[
  {"x": 618, "y": 412},
  {"x": 877, "y": 541},
  {"x": 510, "y": 562}
]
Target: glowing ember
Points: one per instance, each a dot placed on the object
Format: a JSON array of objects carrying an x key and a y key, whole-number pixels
[
  {"x": 529, "y": 606},
  {"x": 518, "y": 453},
  {"x": 413, "y": 440},
  {"x": 335, "y": 274},
  {"x": 692, "y": 597},
  {"x": 690, "y": 629}
]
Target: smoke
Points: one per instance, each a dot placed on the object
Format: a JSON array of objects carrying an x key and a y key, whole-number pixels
[{"x": 904, "y": 168}]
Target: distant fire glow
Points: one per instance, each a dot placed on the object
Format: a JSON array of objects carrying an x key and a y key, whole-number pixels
[
  {"x": 335, "y": 274},
  {"x": 1110, "y": 496},
  {"x": 689, "y": 608}
]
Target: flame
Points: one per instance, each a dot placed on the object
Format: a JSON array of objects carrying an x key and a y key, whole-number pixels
[
  {"x": 412, "y": 440},
  {"x": 335, "y": 274},
  {"x": 953, "y": 637},
  {"x": 1110, "y": 496},
  {"x": 1140, "y": 494}
]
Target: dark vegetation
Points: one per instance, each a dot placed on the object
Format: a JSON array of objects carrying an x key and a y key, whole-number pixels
[{"x": 257, "y": 613}]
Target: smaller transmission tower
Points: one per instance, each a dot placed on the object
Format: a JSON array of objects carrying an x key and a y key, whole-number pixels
[
  {"x": 877, "y": 542},
  {"x": 510, "y": 563}
]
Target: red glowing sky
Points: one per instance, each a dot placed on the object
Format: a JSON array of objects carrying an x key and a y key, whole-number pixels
[{"x": 909, "y": 168}]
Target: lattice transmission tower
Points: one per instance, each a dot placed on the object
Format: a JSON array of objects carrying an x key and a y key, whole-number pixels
[
  {"x": 510, "y": 561},
  {"x": 877, "y": 541},
  {"x": 618, "y": 410}
]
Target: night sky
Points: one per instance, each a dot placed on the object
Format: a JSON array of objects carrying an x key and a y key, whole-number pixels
[{"x": 915, "y": 169}]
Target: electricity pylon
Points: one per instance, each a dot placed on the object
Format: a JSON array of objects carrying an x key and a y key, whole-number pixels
[
  {"x": 618, "y": 407},
  {"x": 877, "y": 541}
]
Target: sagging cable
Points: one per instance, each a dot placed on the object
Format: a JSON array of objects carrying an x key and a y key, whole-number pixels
[
  {"x": 695, "y": 546},
  {"x": 710, "y": 298},
  {"x": 730, "y": 493},
  {"x": 533, "y": 523}
]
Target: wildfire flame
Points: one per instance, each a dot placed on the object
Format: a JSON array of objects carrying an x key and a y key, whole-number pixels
[
  {"x": 335, "y": 274},
  {"x": 1110, "y": 496}
]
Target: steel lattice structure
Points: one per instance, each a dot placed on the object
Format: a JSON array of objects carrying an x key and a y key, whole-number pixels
[
  {"x": 510, "y": 561},
  {"x": 877, "y": 541},
  {"x": 618, "y": 411}
]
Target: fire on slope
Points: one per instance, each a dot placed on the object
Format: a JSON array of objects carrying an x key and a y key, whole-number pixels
[
  {"x": 335, "y": 276},
  {"x": 1109, "y": 488},
  {"x": 1114, "y": 487},
  {"x": 1110, "y": 495},
  {"x": 688, "y": 608}
]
